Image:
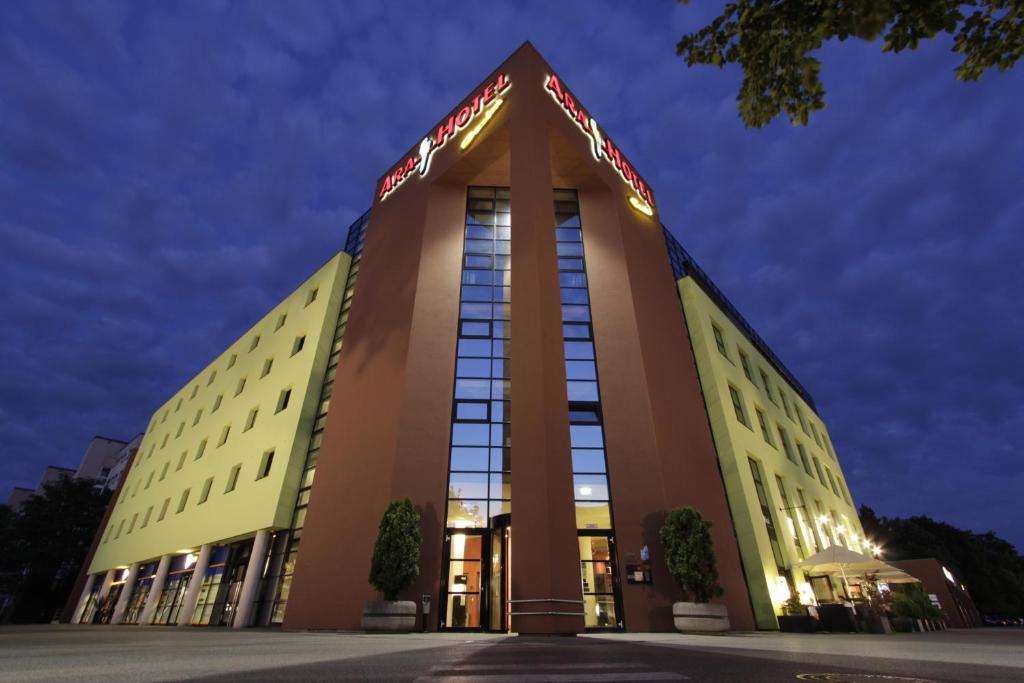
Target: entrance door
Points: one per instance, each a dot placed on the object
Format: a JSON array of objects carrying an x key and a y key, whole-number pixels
[{"x": 475, "y": 584}]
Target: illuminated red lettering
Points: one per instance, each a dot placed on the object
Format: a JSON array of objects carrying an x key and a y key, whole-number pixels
[
  {"x": 399, "y": 174},
  {"x": 410, "y": 165},
  {"x": 385, "y": 187},
  {"x": 488, "y": 93},
  {"x": 569, "y": 103},
  {"x": 503, "y": 82},
  {"x": 443, "y": 131},
  {"x": 462, "y": 118},
  {"x": 554, "y": 86},
  {"x": 613, "y": 153},
  {"x": 476, "y": 103},
  {"x": 583, "y": 120}
]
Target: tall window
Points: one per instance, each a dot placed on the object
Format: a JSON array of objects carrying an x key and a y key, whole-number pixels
[
  {"x": 479, "y": 485},
  {"x": 586, "y": 430},
  {"x": 791, "y": 519},
  {"x": 737, "y": 406},
  {"x": 769, "y": 518},
  {"x": 719, "y": 340}
]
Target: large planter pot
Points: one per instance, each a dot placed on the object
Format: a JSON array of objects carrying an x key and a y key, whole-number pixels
[
  {"x": 700, "y": 616},
  {"x": 797, "y": 623},
  {"x": 389, "y": 616}
]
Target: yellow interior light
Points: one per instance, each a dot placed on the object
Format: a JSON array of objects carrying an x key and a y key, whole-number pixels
[
  {"x": 640, "y": 205},
  {"x": 468, "y": 138}
]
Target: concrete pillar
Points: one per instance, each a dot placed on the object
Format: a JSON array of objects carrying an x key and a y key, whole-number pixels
[
  {"x": 251, "y": 583},
  {"x": 126, "y": 593},
  {"x": 90, "y": 580},
  {"x": 188, "y": 604},
  {"x": 108, "y": 581},
  {"x": 157, "y": 587}
]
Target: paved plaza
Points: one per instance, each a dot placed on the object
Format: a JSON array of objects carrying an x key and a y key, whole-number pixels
[{"x": 113, "y": 654}]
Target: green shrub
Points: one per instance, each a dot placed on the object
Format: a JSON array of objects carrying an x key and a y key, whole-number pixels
[
  {"x": 690, "y": 554},
  {"x": 396, "y": 555},
  {"x": 793, "y": 607},
  {"x": 912, "y": 602}
]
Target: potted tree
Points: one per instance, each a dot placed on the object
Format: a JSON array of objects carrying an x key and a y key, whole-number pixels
[
  {"x": 876, "y": 620},
  {"x": 396, "y": 558},
  {"x": 690, "y": 556},
  {"x": 795, "y": 618}
]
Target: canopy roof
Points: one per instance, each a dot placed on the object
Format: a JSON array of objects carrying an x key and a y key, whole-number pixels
[{"x": 837, "y": 559}]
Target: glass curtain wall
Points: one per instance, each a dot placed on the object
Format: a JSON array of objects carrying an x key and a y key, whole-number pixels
[
  {"x": 141, "y": 591},
  {"x": 586, "y": 429},
  {"x": 276, "y": 584},
  {"x": 479, "y": 488},
  {"x": 222, "y": 585}
]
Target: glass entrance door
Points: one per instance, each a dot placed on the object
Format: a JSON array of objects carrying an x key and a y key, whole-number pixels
[{"x": 476, "y": 582}]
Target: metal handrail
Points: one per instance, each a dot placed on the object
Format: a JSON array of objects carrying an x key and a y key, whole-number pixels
[
  {"x": 548, "y": 613},
  {"x": 561, "y": 600}
]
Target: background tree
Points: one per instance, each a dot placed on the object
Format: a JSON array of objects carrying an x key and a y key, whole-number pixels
[
  {"x": 990, "y": 567},
  {"x": 46, "y": 543},
  {"x": 690, "y": 554},
  {"x": 396, "y": 555},
  {"x": 772, "y": 41}
]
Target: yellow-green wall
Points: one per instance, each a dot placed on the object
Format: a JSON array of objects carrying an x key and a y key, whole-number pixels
[
  {"x": 174, "y": 431},
  {"x": 737, "y": 443}
]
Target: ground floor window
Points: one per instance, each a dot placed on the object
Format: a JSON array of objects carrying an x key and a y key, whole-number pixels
[
  {"x": 171, "y": 597},
  {"x": 600, "y": 581}
]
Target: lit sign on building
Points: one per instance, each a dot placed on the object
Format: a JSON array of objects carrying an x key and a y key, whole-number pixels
[
  {"x": 601, "y": 146},
  {"x": 486, "y": 101}
]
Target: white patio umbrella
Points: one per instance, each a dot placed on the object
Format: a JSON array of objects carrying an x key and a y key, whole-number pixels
[{"x": 837, "y": 559}]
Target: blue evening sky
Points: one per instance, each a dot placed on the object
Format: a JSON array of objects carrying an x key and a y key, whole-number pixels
[{"x": 169, "y": 171}]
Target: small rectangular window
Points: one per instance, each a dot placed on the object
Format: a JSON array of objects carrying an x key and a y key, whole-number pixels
[
  {"x": 282, "y": 400},
  {"x": 767, "y": 386},
  {"x": 163, "y": 472},
  {"x": 311, "y": 297},
  {"x": 184, "y": 499},
  {"x": 213, "y": 376},
  {"x": 201, "y": 449},
  {"x": 231, "y": 361},
  {"x": 233, "y": 478},
  {"x": 181, "y": 428},
  {"x": 195, "y": 390},
  {"x": 164, "y": 418},
  {"x": 821, "y": 474},
  {"x": 135, "y": 518},
  {"x": 149, "y": 479},
  {"x": 224, "y": 435},
  {"x": 120, "y": 528},
  {"x": 145, "y": 520},
  {"x": 762, "y": 421},
  {"x": 181, "y": 460},
  {"x": 177, "y": 407},
  {"x": 216, "y": 403},
  {"x": 240, "y": 387},
  {"x": 803, "y": 458},
  {"x": 299, "y": 343},
  {"x": 737, "y": 405},
  {"x": 199, "y": 414},
  {"x": 164, "y": 442},
  {"x": 785, "y": 405},
  {"x": 719, "y": 340},
  {"x": 267, "y": 365},
  {"x": 786, "y": 445},
  {"x": 265, "y": 464},
  {"x": 251, "y": 420},
  {"x": 255, "y": 342},
  {"x": 206, "y": 491},
  {"x": 163, "y": 510},
  {"x": 745, "y": 362},
  {"x": 280, "y": 321}
]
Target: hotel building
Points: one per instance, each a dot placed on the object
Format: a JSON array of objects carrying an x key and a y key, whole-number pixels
[{"x": 511, "y": 339}]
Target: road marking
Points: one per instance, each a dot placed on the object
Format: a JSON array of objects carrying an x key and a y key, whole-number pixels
[
  {"x": 556, "y": 667},
  {"x": 856, "y": 678},
  {"x": 557, "y": 678}
]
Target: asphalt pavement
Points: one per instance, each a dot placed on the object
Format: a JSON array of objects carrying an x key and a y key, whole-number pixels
[{"x": 124, "y": 653}]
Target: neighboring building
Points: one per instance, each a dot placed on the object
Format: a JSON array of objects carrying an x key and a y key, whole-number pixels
[
  {"x": 266, "y": 475},
  {"x": 100, "y": 457},
  {"x": 111, "y": 476},
  {"x": 945, "y": 590},
  {"x": 21, "y": 494}
]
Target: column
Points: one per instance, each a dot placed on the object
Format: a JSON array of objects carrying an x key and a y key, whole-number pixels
[
  {"x": 126, "y": 592},
  {"x": 108, "y": 580},
  {"x": 188, "y": 604},
  {"x": 252, "y": 578},
  {"x": 154, "y": 591},
  {"x": 90, "y": 579}
]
